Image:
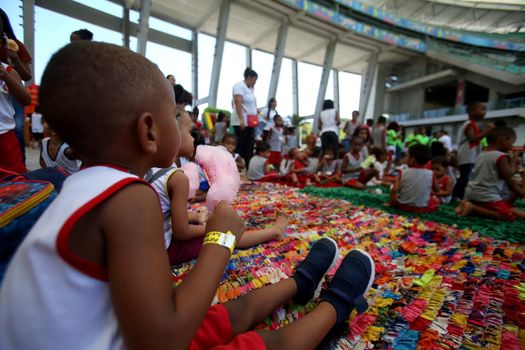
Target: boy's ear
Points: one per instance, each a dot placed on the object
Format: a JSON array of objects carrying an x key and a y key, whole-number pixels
[{"x": 147, "y": 133}]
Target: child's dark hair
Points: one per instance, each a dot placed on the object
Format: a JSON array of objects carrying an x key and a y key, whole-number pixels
[
  {"x": 500, "y": 132},
  {"x": 441, "y": 160},
  {"x": 329, "y": 150},
  {"x": 182, "y": 95},
  {"x": 262, "y": 146},
  {"x": 328, "y": 104},
  {"x": 221, "y": 116},
  {"x": 248, "y": 73},
  {"x": 420, "y": 153},
  {"x": 378, "y": 152},
  {"x": 87, "y": 121},
  {"x": 84, "y": 34},
  {"x": 276, "y": 116},
  {"x": 290, "y": 130},
  {"x": 381, "y": 119},
  {"x": 229, "y": 137},
  {"x": 437, "y": 149},
  {"x": 393, "y": 126}
]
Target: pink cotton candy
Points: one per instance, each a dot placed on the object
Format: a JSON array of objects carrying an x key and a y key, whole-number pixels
[
  {"x": 222, "y": 173},
  {"x": 192, "y": 172}
]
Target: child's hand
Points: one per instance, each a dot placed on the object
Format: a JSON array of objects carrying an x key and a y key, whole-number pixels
[
  {"x": 3, "y": 72},
  {"x": 224, "y": 219}
]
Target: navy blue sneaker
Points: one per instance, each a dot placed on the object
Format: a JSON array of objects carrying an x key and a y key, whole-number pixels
[
  {"x": 310, "y": 271},
  {"x": 350, "y": 283}
]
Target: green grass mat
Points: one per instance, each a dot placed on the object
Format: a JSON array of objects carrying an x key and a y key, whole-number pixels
[{"x": 512, "y": 231}]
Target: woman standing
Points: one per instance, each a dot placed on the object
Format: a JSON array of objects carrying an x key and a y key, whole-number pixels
[
  {"x": 329, "y": 125},
  {"x": 244, "y": 114}
]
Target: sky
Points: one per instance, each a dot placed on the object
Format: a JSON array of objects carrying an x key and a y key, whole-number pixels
[{"x": 52, "y": 31}]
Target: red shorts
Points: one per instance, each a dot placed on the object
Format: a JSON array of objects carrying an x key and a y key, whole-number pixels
[
  {"x": 275, "y": 158},
  {"x": 501, "y": 207},
  {"x": 361, "y": 179},
  {"x": 433, "y": 204},
  {"x": 10, "y": 153},
  {"x": 215, "y": 333},
  {"x": 183, "y": 251}
]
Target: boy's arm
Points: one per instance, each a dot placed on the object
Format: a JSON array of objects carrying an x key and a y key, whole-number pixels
[
  {"x": 178, "y": 185},
  {"x": 13, "y": 82},
  {"x": 505, "y": 171},
  {"x": 393, "y": 192},
  {"x": 472, "y": 136},
  {"x": 21, "y": 67},
  {"x": 240, "y": 163},
  {"x": 150, "y": 312},
  {"x": 268, "y": 135}
]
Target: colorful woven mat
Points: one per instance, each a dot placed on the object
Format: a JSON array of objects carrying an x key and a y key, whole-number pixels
[
  {"x": 436, "y": 286},
  {"x": 513, "y": 231}
]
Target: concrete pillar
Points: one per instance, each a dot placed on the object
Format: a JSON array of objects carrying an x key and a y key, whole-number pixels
[
  {"x": 327, "y": 66},
  {"x": 460, "y": 94},
  {"x": 367, "y": 81},
  {"x": 29, "y": 33},
  {"x": 125, "y": 26},
  {"x": 248, "y": 57},
  {"x": 383, "y": 70},
  {"x": 195, "y": 66},
  {"x": 277, "y": 59},
  {"x": 295, "y": 88},
  {"x": 142, "y": 36},
  {"x": 335, "y": 75},
  {"x": 224, "y": 14}
]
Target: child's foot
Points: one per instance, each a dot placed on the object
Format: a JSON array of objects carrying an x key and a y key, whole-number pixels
[
  {"x": 310, "y": 271},
  {"x": 280, "y": 225},
  {"x": 464, "y": 208},
  {"x": 308, "y": 182},
  {"x": 352, "y": 280}
]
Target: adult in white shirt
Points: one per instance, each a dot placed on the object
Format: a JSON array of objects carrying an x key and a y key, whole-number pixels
[
  {"x": 329, "y": 126},
  {"x": 244, "y": 108},
  {"x": 445, "y": 140}
]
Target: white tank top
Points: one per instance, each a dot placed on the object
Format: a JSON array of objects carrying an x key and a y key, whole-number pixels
[
  {"x": 7, "y": 111},
  {"x": 69, "y": 165},
  {"x": 160, "y": 186},
  {"x": 329, "y": 122},
  {"x": 486, "y": 184},
  {"x": 50, "y": 298},
  {"x": 415, "y": 187},
  {"x": 276, "y": 139},
  {"x": 353, "y": 162}
]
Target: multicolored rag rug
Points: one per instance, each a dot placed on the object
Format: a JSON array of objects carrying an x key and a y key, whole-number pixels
[{"x": 436, "y": 287}]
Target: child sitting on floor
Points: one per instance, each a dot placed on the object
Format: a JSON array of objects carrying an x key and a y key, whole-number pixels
[
  {"x": 328, "y": 168},
  {"x": 493, "y": 171},
  {"x": 412, "y": 190},
  {"x": 56, "y": 153},
  {"x": 259, "y": 168},
  {"x": 92, "y": 272},
  {"x": 440, "y": 167},
  {"x": 184, "y": 233},
  {"x": 353, "y": 174},
  {"x": 297, "y": 173},
  {"x": 229, "y": 142}
]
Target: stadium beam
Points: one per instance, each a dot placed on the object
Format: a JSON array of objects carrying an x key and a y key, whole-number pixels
[
  {"x": 195, "y": 66},
  {"x": 142, "y": 35},
  {"x": 327, "y": 66},
  {"x": 278, "y": 59},
  {"x": 224, "y": 15}
]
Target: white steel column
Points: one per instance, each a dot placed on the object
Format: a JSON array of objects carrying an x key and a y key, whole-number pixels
[
  {"x": 277, "y": 59},
  {"x": 248, "y": 57},
  {"x": 327, "y": 66},
  {"x": 195, "y": 66},
  {"x": 125, "y": 25},
  {"x": 142, "y": 35},
  {"x": 335, "y": 76},
  {"x": 219, "y": 49},
  {"x": 367, "y": 82},
  {"x": 295, "y": 88},
  {"x": 29, "y": 33}
]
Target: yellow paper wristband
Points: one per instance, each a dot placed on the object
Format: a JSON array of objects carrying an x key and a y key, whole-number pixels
[{"x": 226, "y": 240}]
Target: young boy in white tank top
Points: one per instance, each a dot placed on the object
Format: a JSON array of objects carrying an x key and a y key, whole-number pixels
[
  {"x": 93, "y": 272},
  {"x": 486, "y": 194}
]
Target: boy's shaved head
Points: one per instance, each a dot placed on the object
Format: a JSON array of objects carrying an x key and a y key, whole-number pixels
[{"x": 91, "y": 91}]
